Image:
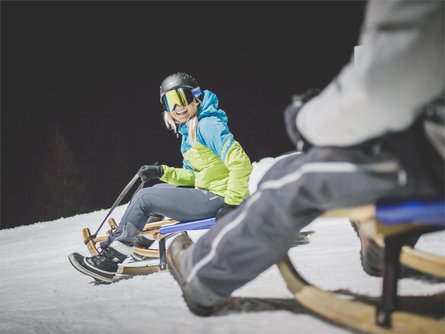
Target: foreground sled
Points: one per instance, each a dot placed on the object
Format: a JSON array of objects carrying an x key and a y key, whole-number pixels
[
  {"x": 159, "y": 231},
  {"x": 391, "y": 225}
]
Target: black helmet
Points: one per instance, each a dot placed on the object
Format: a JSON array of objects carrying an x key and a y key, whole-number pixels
[
  {"x": 178, "y": 89},
  {"x": 178, "y": 80}
]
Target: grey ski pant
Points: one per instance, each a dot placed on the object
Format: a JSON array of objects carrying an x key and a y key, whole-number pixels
[
  {"x": 180, "y": 203},
  {"x": 294, "y": 191}
]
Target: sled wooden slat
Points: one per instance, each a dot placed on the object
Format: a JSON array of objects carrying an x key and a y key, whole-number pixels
[
  {"x": 350, "y": 313},
  {"x": 158, "y": 236},
  {"x": 366, "y": 215},
  {"x": 100, "y": 239},
  {"x": 391, "y": 230},
  {"x": 423, "y": 261},
  {"x": 90, "y": 244},
  {"x": 147, "y": 252},
  {"x": 155, "y": 234},
  {"x": 154, "y": 228},
  {"x": 356, "y": 214},
  {"x": 112, "y": 223},
  {"x": 138, "y": 270},
  {"x": 154, "y": 231},
  {"x": 160, "y": 223}
]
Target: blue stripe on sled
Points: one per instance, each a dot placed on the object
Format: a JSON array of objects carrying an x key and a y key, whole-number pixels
[
  {"x": 431, "y": 212},
  {"x": 186, "y": 226}
]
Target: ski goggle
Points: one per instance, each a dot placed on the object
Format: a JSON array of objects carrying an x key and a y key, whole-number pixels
[{"x": 179, "y": 96}]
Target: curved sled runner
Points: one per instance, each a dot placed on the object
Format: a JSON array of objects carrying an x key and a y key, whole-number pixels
[
  {"x": 390, "y": 224},
  {"x": 351, "y": 313}
]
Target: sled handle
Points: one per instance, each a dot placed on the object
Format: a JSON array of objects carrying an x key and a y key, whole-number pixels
[{"x": 118, "y": 200}]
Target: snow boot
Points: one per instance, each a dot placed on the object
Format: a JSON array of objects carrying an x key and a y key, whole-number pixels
[
  {"x": 372, "y": 254},
  {"x": 174, "y": 255},
  {"x": 145, "y": 243},
  {"x": 102, "y": 267}
]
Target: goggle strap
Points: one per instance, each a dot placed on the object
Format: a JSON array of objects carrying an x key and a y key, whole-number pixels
[{"x": 196, "y": 92}]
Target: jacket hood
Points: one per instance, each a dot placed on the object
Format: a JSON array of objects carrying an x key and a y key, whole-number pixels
[{"x": 209, "y": 107}]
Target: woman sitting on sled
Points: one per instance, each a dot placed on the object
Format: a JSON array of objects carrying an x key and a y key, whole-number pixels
[{"x": 214, "y": 178}]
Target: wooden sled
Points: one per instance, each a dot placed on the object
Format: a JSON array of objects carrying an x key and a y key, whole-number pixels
[
  {"x": 159, "y": 231},
  {"x": 392, "y": 224},
  {"x": 417, "y": 259}
]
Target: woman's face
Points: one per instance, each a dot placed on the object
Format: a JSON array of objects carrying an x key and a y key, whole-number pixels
[{"x": 182, "y": 114}]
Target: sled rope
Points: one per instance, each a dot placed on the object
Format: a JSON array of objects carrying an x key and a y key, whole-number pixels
[{"x": 116, "y": 203}]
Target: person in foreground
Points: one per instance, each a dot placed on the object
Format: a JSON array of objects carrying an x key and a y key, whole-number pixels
[
  {"x": 375, "y": 132},
  {"x": 214, "y": 178}
]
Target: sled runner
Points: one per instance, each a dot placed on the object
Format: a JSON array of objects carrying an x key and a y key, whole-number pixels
[
  {"x": 391, "y": 225},
  {"x": 159, "y": 231}
]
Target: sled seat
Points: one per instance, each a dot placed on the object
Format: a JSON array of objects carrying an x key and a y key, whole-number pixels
[
  {"x": 390, "y": 224},
  {"x": 421, "y": 212},
  {"x": 404, "y": 219}
]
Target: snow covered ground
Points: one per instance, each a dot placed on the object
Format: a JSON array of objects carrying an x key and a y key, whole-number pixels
[{"x": 40, "y": 292}]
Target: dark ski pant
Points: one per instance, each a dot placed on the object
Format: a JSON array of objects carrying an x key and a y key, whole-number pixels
[
  {"x": 176, "y": 202},
  {"x": 294, "y": 191}
]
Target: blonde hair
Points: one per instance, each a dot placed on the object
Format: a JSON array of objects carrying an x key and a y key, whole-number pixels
[{"x": 192, "y": 122}]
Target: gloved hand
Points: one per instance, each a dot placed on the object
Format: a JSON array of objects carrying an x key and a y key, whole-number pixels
[
  {"x": 149, "y": 172},
  {"x": 290, "y": 118},
  {"x": 225, "y": 209}
]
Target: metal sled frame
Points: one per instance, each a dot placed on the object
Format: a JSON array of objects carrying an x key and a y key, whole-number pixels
[
  {"x": 390, "y": 232},
  {"x": 159, "y": 231}
]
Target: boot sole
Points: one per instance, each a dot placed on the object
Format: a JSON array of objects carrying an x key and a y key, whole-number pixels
[
  {"x": 199, "y": 310},
  {"x": 87, "y": 272},
  {"x": 175, "y": 272}
]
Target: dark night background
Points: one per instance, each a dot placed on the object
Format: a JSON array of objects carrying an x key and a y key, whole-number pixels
[{"x": 80, "y": 108}]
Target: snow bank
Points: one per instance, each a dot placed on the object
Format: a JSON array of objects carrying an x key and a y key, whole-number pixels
[{"x": 40, "y": 292}]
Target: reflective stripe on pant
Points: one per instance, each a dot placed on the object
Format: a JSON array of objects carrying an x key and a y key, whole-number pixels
[{"x": 297, "y": 189}]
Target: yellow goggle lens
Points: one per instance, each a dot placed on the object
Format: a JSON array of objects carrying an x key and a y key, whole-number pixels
[{"x": 173, "y": 97}]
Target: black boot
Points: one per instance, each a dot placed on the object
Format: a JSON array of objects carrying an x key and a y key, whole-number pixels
[
  {"x": 101, "y": 267},
  {"x": 145, "y": 243}
]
